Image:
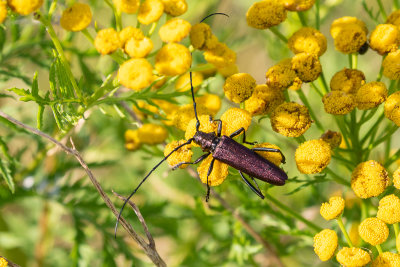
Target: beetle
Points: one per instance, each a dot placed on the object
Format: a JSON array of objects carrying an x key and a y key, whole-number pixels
[{"x": 227, "y": 150}]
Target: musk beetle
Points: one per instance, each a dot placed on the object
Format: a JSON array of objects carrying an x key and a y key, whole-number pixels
[{"x": 228, "y": 151}]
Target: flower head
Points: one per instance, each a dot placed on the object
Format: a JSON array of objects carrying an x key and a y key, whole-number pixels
[
  {"x": 332, "y": 138},
  {"x": 202, "y": 38},
  {"x": 150, "y": 11},
  {"x": 386, "y": 259},
  {"x": 353, "y": 257},
  {"x": 373, "y": 231},
  {"x": 107, "y": 41},
  {"x": 347, "y": 80},
  {"x": 391, "y": 66},
  {"x": 349, "y": 34},
  {"x": 325, "y": 244},
  {"x": 264, "y": 100},
  {"x": 371, "y": 95},
  {"x": 394, "y": 18},
  {"x": 76, "y": 18},
  {"x": 307, "y": 40},
  {"x": 396, "y": 178},
  {"x": 3, "y": 262},
  {"x": 274, "y": 157},
  {"x": 220, "y": 55},
  {"x": 385, "y": 38},
  {"x": 265, "y": 14},
  {"x": 152, "y": 134},
  {"x": 369, "y": 179},
  {"x": 138, "y": 48},
  {"x": 183, "y": 82},
  {"x": 281, "y": 75},
  {"x": 306, "y": 66},
  {"x": 217, "y": 175},
  {"x": 183, "y": 154},
  {"x": 127, "y": 6},
  {"x": 175, "y": 7},
  {"x": 184, "y": 114},
  {"x": 233, "y": 119},
  {"x": 135, "y": 74},
  {"x": 24, "y": 7},
  {"x": 211, "y": 102},
  {"x": 299, "y": 5},
  {"x": 389, "y": 209},
  {"x": 228, "y": 70},
  {"x": 290, "y": 119},
  {"x": 332, "y": 209},
  {"x": 239, "y": 87},
  {"x": 312, "y": 156},
  {"x": 173, "y": 59},
  {"x": 132, "y": 141},
  {"x": 130, "y": 32},
  {"x": 3, "y": 15},
  {"x": 338, "y": 103},
  {"x": 174, "y": 30},
  {"x": 392, "y": 108}
]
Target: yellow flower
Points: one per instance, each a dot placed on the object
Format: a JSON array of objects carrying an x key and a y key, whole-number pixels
[
  {"x": 274, "y": 157},
  {"x": 389, "y": 209},
  {"x": 325, "y": 244},
  {"x": 263, "y": 100},
  {"x": 265, "y": 14},
  {"x": 332, "y": 209},
  {"x": 130, "y": 32},
  {"x": 308, "y": 40},
  {"x": 371, "y": 95},
  {"x": 394, "y": 18},
  {"x": 3, "y": 11},
  {"x": 220, "y": 55},
  {"x": 228, "y": 70},
  {"x": 373, "y": 231},
  {"x": 339, "y": 24},
  {"x": 132, "y": 141},
  {"x": 312, "y": 156},
  {"x": 299, "y": 5},
  {"x": 306, "y": 66},
  {"x": 218, "y": 174},
  {"x": 183, "y": 82},
  {"x": 24, "y": 7},
  {"x": 349, "y": 34},
  {"x": 281, "y": 75},
  {"x": 386, "y": 259},
  {"x": 233, "y": 119},
  {"x": 127, "y": 6},
  {"x": 76, "y": 18},
  {"x": 211, "y": 102},
  {"x": 174, "y": 30},
  {"x": 3, "y": 262},
  {"x": 332, "y": 138},
  {"x": 184, "y": 114},
  {"x": 353, "y": 257},
  {"x": 369, "y": 179},
  {"x": 135, "y": 74},
  {"x": 338, "y": 103},
  {"x": 138, "y": 48},
  {"x": 183, "y": 154},
  {"x": 396, "y": 178},
  {"x": 201, "y": 37},
  {"x": 290, "y": 119},
  {"x": 141, "y": 104},
  {"x": 205, "y": 126},
  {"x": 392, "y": 108},
  {"x": 239, "y": 87},
  {"x": 385, "y": 38},
  {"x": 391, "y": 68},
  {"x": 173, "y": 59},
  {"x": 152, "y": 134},
  {"x": 296, "y": 85},
  {"x": 175, "y": 7},
  {"x": 347, "y": 80},
  {"x": 107, "y": 41},
  {"x": 150, "y": 11}
]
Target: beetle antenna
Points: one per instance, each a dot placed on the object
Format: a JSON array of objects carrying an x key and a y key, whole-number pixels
[
  {"x": 217, "y": 13},
  {"x": 144, "y": 179}
]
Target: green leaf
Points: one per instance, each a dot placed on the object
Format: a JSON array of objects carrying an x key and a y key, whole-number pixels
[
  {"x": 39, "y": 123},
  {"x": 19, "y": 91},
  {"x": 35, "y": 85},
  {"x": 2, "y": 38},
  {"x": 5, "y": 171}
]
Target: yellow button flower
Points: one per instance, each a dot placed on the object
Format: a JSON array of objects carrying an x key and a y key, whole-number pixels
[
  {"x": 369, "y": 179},
  {"x": 202, "y": 38},
  {"x": 183, "y": 82},
  {"x": 173, "y": 59},
  {"x": 394, "y": 18},
  {"x": 107, "y": 41},
  {"x": 175, "y": 7},
  {"x": 136, "y": 74},
  {"x": 386, "y": 259},
  {"x": 233, "y": 119},
  {"x": 349, "y": 34},
  {"x": 174, "y": 30},
  {"x": 385, "y": 38},
  {"x": 307, "y": 40},
  {"x": 24, "y": 7},
  {"x": 239, "y": 87},
  {"x": 263, "y": 100},
  {"x": 206, "y": 126},
  {"x": 325, "y": 244},
  {"x": 3, "y": 11},
  {"x": 183, "y": 154},
  {"x": 130, "y": 32},
  {"x": 265, "y": 14},
  {"x": 389, "y": 209},
  {"x": 332, "y": 138},
  {"x": 306, "y": 66},
  {"x": 373, "y": 231},
  {"x": 76, "y": 18},
  {"x": 290, "y": 119},
  {"x": 132, "y": 141},
  {"x": 312, "y": 156},
  {"x": 338, "y": 103},
  {"x": 150, "y": 11},
  {"x": 281, "y": 75},
  {"x": 138, "y": 48},
  {"x": 127, "y": 6},
  {"x": 353, "y": 257},
  {"x": 332, "y": 209},
  {"x": 298, "y": 5},
  {"x": 391, "y": 66},
  {"x": 220, "y": 55},
  {"x": 371, "y": 95},
  {"x": 347, "y": 80},
  {"x": 340, "y": 23},
  {"x": 152, "y": 134},
  {"x": 218, "y": 174},
  {"x": 184, "y": 114},
  {"x": 3, "y": 262},
  {"x": 396, "y": 178},
  {"x": 211, "y": 102},
  {"x": 228, "y": 70},
  {"x": 274, "y": 157},
  {"x": 392, "y": 108}
]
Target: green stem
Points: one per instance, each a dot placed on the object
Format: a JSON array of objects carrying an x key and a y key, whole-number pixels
[
  {"x": 354, "y": 60},
  {"x": 305, "y": 101},
  {"x": 300, "y": 139},
  {"x": 278, "y": 34},
  {"x": 396, "y": 229},
  {"x": 364, "y": 210},
  {"x": 152, "y": 29},
  {"x": 293, "y": 213},
  {"x": 392, "y": 159},
  {"x": 378, "y": 247},
  {"x": 323, "y": 84},
  {"x": 373, "y": 128},
  {"x": 379, "y": 77},
  {"x": 302, "y": 18},
  {"x": 350, "y": 58},
  {"x": 343, "y": 130},
  {"x": 88, "y": 35},
  {"x": 286, "y": 95},
  {"x": 343, "y": 229},
  {"x": 317, "y": 89},
  {"x": 337, "y": 178},
  {"x": 382, "y": 10},
  {"x": 396, "y": 4},
  {"x": 317, "y": 15}
]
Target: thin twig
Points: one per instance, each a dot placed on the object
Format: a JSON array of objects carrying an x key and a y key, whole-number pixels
[{"x": 150, "y": 251}]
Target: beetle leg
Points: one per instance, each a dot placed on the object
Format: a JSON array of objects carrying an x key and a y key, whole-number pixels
[
  {"x": 255, "y": 190},
  {"x": 195, "y": 162},
  {"x": 267, "y": 149},
  {"x": 237, "y": 132},
  {"x": 208, "y": 174},
  {"x": 219, "y": 130}
]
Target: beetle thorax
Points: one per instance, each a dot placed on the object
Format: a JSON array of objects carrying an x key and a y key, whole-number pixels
[{"x": 207, "y": 141}]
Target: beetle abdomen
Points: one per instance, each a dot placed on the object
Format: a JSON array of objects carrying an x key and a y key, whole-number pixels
[{"x": 244, "y": 159}]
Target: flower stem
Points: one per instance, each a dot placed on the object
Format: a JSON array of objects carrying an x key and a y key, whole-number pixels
[
  {"x": 317, "y": 15},
  {"x": 382, "y": 10},
  {"x": 337, "y": 178},
  {"x": 343, "y": 229},
  {"x": 354, "y": 60},
  {"x": 305, "y": 101},
  {"x": 378, "y": 247},
  {"x": 396, "y": 229},
  {"x": 323, "y": 84},
  {"x": 278, "y": 34},
  {"x": 302, "y": 18}
]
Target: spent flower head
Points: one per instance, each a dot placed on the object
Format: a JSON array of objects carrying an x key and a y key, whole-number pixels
[
  {"x": 281, "y": 75},
  {"x": 265, "y": 14},
  {"x": 332, "y": 138},
  {"x": 391, "y": 66},
  {"x": 338, "y": 103},
  {"x": 371, "y": 95},
  {"x": 347, "y": 80},
  {"x": 392, "y": 108},
  {"x": 306, "y": 66},
  {"x": 290, "y": 119}
]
